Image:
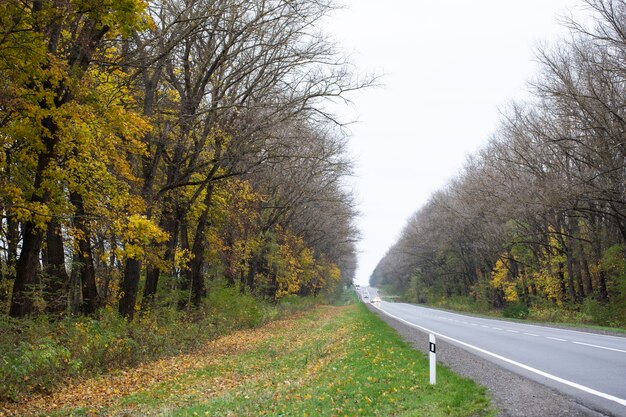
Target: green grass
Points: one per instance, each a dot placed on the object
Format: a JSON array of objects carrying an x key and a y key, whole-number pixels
[{"x": 332, "y": 361}]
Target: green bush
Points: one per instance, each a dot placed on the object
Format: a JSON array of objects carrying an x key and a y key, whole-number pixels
[
  {"x": 604, "y": 314},
  {"x": 35, "y": 367},
  {"x": 231, "y": 309},
  {"x": 516, "y": 311}
]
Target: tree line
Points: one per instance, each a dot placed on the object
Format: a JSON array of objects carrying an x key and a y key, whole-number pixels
[
  {"x": 538, "y": 216},
  {"x": 148, "y": 147}
]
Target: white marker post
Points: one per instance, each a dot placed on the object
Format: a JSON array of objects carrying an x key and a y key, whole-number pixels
[{"x": 432, "y": 347}]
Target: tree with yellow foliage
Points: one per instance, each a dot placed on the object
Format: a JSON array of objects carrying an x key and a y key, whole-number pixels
[
  {"x": 54, "y": 105},
  {"x": 139, "y": 140}
]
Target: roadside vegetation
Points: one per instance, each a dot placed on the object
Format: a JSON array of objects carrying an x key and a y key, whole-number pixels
[
  {"x": 169, "y": 172},
  {"x": 534, "y": 226},
  {"x": 328, "y": 361},
  {"x": 40, "y": 355}
]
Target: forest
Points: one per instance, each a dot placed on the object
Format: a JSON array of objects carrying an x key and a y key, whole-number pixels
[
  {"x": 535, "y": 223},
  {"x": 156, "y": 156}
]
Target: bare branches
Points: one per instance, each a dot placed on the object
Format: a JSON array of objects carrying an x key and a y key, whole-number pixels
[{"x": 547, "y": 196}]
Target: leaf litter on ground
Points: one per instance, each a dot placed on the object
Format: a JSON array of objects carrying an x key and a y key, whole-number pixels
[{"x": 331, "y": 361}]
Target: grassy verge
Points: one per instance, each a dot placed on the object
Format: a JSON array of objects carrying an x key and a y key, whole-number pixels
[
  {"x": 37, "y": 355},
  {"x": 330, "y": 361}
]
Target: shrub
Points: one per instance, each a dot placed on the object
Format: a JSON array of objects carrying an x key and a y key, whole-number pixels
[
  {"x": 516, "y": 311},
  {"x": 35, "y": 367},
  {"x": 229, "y": 308},
  {"x": 604, "y": 314}
]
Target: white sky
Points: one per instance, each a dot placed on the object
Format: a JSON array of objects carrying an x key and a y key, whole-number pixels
[{"x": 449, "y": 66}]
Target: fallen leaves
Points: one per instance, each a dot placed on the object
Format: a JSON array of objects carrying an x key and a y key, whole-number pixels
[{"x": 97, "y": 394}]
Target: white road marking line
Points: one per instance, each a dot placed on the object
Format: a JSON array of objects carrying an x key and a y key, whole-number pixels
[
  {"x": 531, "y": 334},
  {"x": 496, "y": 328},
  {"x": 588, "y": 390},
  {"x": 486, "y": 327},
  {"x": 556, "y": 338},
  {"x": 600, "y": 347},
  {"x": 474, "y": 324},
  {"x": 512, "y": 331}
]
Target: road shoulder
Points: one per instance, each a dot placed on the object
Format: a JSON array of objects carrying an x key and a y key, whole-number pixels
[{"x": 514, "y": 395}]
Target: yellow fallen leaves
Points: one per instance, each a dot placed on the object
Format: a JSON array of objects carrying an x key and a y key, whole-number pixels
[
  {"x": 105, "y": 391},
  {"x": 97, "y": 393}
]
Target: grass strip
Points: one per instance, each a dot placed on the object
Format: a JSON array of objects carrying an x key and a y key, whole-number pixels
[{"x": 331, "y": 361}]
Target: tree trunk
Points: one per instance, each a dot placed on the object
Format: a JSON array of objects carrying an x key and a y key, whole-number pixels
[
  {"x": 129, "y": 288},
  {"x": 89, "y": 288},
  {"x": 27, "y": 264},
  {"x": 525, "y": 292},
  {"x": 578, "y": 272},
  {"x": 170, "y": 224},
  {"x": 113, "y": 264},
  {"x": 603, "y": 294},
  {"x": 26, "y": 271},
  {"x": 194, "y": 272},
  {"x": 587, "y": 275},
  {"x": 561, "y": 275},
  {"x": 150, "y": 289},
  {"x": 84, "y": 259},
  {"x": 252, "y": 270},
  {"x": 570, "y": 275},
  {"x": 56, "y": 278},
  {"x": 75, "y": 285}
]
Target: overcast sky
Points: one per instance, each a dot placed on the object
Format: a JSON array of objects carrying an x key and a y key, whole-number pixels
[{"x": 450, "y": 66}]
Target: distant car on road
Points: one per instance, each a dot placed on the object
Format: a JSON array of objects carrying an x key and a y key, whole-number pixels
[{"x": 376, "y": 300}]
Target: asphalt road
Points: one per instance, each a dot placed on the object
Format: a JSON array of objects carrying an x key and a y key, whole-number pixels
[{"x": 588, "y": 367}]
